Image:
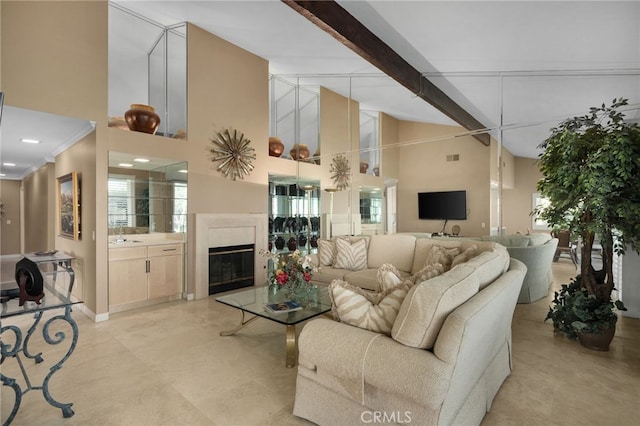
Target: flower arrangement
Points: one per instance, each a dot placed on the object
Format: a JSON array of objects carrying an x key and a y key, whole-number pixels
[{"x": 292, "y": 270}]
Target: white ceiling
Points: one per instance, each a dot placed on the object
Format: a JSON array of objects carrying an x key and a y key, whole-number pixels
[{"x": 517, "y": 66}]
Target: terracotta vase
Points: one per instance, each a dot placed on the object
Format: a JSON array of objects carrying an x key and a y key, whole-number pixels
[
  {"x": 276, "y": 147},
  {"x": 597, "y": 342},
  {"x": 292, "y": 244},
  {"x": 364, "y": 166},
  {"x": 142, "y": 118},
  {"x": 299, "y": 152}
]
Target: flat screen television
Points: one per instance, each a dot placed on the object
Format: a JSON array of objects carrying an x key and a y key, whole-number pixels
[{"x": 443, "y": 205}]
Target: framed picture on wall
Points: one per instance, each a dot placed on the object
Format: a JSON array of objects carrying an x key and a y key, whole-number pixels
[{"x": 69, "y": 206}]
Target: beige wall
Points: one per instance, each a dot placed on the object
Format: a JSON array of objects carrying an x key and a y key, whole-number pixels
[
  {"x": 39, "y": 209},
  {"x": 423, "y": 167},
  {"x": 389, "y": 132},
  {"x": 517, "y": 201},
  {"x": 59, "y": 66},
  {"x": 10, "y": 223}
]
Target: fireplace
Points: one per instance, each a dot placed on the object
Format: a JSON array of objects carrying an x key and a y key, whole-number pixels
[
  {"x": 231, "y": 267},
  {"x": 223, "y": 230}
]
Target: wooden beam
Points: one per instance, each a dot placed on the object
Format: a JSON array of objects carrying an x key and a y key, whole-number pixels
[{"x": 333, "y": 19}]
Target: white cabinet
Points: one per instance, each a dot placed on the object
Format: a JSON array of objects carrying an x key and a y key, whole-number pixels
[
  {"x": 143, "y": 274},
  {"x": 165, "y": 270}
]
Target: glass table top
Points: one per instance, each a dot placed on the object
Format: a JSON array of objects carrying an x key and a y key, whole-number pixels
[
  {"x": 254, "y": 299},
  {"x": 55, "y": 296}
]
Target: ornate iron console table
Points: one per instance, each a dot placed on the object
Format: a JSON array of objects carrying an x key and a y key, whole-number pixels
[{"x": 15, "y": 344}]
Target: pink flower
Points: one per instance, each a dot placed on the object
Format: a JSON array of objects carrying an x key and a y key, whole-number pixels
[
  {"x": 307, "y": 276},
  {"x": 282, "y": 278}
]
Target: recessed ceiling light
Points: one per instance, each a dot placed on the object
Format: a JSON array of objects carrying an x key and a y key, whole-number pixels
[
  {"x": 125, "y": 165},
  {"x": 141, "y": 160},
  {"x": 25, "y": 140},
  {"x": 9, "y": 164},
  {"x": 183, "y": 171}
]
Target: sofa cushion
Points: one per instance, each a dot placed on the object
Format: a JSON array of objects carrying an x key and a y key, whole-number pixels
[
  {"x": 371, "y": 311},
  {"x": 489, "y": 265},
  {"x": 326, "y": 252},
  {"x": 326, "y": 274},
  {"x": 428, "y": 304},
  {"x": 514, "y": 240},
  {"x": 367, "y": 278},
  {"x": 396, "y": 249},
  {"x": 352, "y": 256},
  {"x": 538, "y": 238}
]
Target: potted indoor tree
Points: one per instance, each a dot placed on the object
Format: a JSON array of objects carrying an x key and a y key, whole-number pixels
[{"x": 591, "y": 168}]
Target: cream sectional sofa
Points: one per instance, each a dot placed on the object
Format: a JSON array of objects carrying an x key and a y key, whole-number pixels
[{"x": 445, "y": 359}]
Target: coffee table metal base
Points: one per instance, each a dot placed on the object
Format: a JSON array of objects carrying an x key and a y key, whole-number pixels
[{"x": 292, "y": 346}]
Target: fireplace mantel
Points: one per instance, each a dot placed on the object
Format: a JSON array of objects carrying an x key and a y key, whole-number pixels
[{"x": 219, "y": 230}]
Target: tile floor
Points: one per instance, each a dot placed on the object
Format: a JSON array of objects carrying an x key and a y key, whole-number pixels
[{"x": 168, "y": 365}]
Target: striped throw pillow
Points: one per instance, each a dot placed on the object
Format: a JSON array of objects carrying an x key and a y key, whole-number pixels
[
  {"x": 351, "y": 256},
  {"x": 388, "y": 276},
  {"x": 360, "y": 308},
  {"x": 465, "y": 256},
  {"x": 326, "y": 252},
  {"x": 428, "y": 272},
  {"x": 442, "y": 255}
]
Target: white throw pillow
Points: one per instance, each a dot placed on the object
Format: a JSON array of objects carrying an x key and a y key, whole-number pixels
[{"x": 351, "y": 256}]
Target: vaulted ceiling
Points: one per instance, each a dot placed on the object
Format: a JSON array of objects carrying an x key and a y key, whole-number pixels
[{"x": 517, "y": 68}]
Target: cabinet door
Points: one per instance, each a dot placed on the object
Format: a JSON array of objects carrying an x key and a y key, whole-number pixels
[
  {"x": 127, "y": 281},
  {"x": 165, "y": 270}
]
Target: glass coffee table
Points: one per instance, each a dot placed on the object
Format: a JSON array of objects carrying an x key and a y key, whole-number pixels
[{"x": 253, "y": 301}]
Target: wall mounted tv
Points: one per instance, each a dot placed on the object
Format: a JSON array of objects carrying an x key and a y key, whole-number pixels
[{"x": 444, "y": 205}]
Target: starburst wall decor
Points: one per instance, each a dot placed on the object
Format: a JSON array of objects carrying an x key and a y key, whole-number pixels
[
  {"x": 340, "y": 172},
  {"x": 234, "y": 154}
]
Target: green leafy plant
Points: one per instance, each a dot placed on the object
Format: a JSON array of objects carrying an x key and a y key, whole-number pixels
[
  {"x": 575, "y": 311},
  {"x": 590, "y": 168}
]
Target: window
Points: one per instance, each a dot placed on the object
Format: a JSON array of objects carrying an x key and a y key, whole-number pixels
[
  {"x": 538, "y": 200},
  {"x": 179, "y": 207},
  {"x": 121, "y": 195}
]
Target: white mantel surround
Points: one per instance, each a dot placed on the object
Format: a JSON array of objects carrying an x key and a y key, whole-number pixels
[{"x": 220, "y": 230}]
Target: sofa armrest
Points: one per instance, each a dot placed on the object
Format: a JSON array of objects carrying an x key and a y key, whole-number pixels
[{"x": 330, "y": 348}]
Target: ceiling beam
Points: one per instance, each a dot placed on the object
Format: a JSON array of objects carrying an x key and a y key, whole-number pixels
[{"x": 333, "y": 19}]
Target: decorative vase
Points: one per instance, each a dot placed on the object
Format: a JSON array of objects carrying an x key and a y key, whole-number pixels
[
  {"x": 598, "y": 342},
  {"x": 302, "y": 240},
  {"x": 142, "y": 118},
  {"x": 270, "y": 245},
  {"x": 376, "y": 170},
  {"x": 317, "y": 156},
  {"x": 314, "y": 241},
  {"x": 276, "y": 147},
  {"x": 299, "y": 152},
  {"x": 280, "y": 243},
  {"x": 292, "y": 244},
  {"x": 363, "y": 166}
]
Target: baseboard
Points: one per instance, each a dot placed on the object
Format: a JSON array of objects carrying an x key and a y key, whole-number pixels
[{"x": 92, "y": 316}]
